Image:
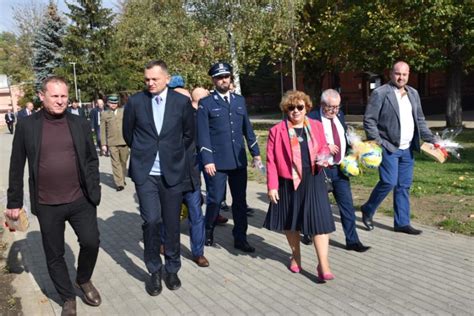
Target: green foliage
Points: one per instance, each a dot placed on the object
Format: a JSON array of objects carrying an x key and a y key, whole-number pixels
[
  {"x": 457, "y": 226},
  {"x": 47, "y": 45},
  {"x": 150, "y": 30},
  {"x": 12, "y": 59},
  {"x": 87, "y": 43}
]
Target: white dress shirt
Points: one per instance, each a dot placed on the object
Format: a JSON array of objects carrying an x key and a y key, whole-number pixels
[{"x": 407, "y": 124}]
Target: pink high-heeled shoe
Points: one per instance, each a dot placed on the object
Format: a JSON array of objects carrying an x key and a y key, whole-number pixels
[
  {"x": 294, "y": 268},
  {"x": 324, "y": 276}
]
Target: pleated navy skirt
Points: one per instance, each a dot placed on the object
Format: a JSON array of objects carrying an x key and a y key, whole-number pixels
[{"x": 306, "y": 210}]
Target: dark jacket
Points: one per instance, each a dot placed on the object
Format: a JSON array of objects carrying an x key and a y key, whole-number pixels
[
  {"x": 222, "y": 128},
  {"x": 26, "y": 145},
  {"x": 81, "y": 112},
  {"x": 316, "y": 115},
  {"x": 175, "y": 138}
]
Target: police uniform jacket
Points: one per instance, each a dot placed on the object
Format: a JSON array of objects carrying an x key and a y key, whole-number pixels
[{"x": 222, "y": 128}]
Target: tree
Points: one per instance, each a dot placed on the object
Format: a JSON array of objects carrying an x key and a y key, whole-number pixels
[
  {"x": 87, "y": 43},
  {"x": 150, "y": 29},
  {"x": 47, "y": 44},
  {"x": 238, "y": 29}
]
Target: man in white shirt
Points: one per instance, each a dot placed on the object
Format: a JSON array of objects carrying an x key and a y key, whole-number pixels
[
  {"x": 395, "y": 120},
  {"x": 335, "y": 130}
]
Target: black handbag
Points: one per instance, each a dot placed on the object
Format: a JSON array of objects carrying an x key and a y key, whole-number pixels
[{"x": 328, "y": 182}]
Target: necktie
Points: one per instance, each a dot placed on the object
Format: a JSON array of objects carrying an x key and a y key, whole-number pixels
[
  {"x": 226, "y": 99},
  {"x": 337, "y": 141}
]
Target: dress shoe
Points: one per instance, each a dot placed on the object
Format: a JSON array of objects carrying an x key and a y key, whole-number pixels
[
  {"x": 367, "y": 220},
  {"x": 201, "y": 261},
  {"x": 91, "y": 295},
  {"x": 209, "y": 237},
  {"x": 359, "y": 247},
  {"x": 408, "y": 230},
  {"x": 324, "y": 276},
  {"x": 306, "y": 240},
  {"x": 69, "y": 308},
  {"x": 154, "y": 287},
  {"x": 120, "y": 188},
  {"x": 172, "y": 281},
  {"x": 221, "y": 220},
  {"x": 244, "y": 246},
  {"x": 224, "y": 207}
]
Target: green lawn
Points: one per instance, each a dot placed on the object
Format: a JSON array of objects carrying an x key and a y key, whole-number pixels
[{"x": 442, "y": 195}]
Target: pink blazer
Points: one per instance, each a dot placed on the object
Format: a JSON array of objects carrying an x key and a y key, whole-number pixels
[{"x": 279, "y": 154}]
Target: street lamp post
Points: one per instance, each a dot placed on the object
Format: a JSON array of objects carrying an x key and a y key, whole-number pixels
[{"x": 75, "y": 80}]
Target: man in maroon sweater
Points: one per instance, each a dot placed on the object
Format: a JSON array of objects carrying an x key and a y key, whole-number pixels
[{"x": 64, "y": 186}]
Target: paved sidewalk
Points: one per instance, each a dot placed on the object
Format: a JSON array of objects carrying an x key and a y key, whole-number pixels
[{"x": 428, "y": 274}]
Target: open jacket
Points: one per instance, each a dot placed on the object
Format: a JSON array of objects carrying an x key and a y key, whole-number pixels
[
  {"x": 279, "y": 153},
  {"x": 27, "y": 144}
]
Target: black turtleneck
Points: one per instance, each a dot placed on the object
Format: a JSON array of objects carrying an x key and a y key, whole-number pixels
[{"x": 58, "y": 176}]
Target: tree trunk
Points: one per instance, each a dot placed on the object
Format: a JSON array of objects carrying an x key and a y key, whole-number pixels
[
  {"x": 454, "y": 106},
  {"x": 233, "y": 57}
]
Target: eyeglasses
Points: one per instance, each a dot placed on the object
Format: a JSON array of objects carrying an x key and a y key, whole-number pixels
[
  {"x": 292, "y": 107},
  {"x": 331, "y": 108},
  {"x": 222, "y": 77}
]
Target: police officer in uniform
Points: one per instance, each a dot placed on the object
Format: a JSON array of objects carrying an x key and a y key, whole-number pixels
[{"x": 223, "y": 123}]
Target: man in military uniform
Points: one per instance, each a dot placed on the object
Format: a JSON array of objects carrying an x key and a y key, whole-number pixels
[
  {"x": 223, "y": 123},
  {"x": 112, "y": 140}
]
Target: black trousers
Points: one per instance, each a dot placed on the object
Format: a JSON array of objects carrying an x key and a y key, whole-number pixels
[
  {"x": 10, "y": 127},
  {"x": 160, "y": 204},
  {"x": 82, "y": 216}
]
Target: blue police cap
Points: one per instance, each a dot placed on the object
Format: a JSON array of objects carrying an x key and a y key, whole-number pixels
[
  {"x": 220, "y": 69},
  {"x": 176, "y": 82}
]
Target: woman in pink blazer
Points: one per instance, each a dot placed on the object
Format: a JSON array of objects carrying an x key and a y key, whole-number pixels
[{"x": 299, "y": 202}]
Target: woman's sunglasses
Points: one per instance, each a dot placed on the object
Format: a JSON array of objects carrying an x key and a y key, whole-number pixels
[{"x": 292, "y": 107}]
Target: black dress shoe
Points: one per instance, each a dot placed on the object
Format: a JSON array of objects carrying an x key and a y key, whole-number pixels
[
  {"x": 120, "y": 188},
  {"x": 154, "y": 286},
  {"x": 306, "y": 240},
  {"x": 407, "y": 230},
  {"x": 250, "y": 211},
  {"x": 172, "y": 281},
  {"x": 367, "y": 220},
  {"x": 209, "y": 237},
  {"x": 244, "y": 246},
  {"x": 359, "y": 247},
  {"x": 224, "y": 207},
  {"x": 91, "y": 295}
]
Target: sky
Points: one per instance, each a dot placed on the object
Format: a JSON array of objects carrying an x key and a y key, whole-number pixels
[{"x": 7, "y": 24}]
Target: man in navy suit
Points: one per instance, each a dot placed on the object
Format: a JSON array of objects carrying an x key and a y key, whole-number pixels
[
  {"x": 223, "y": 123},
  {"x": 94, "y": 116},
  {"x": 27, "y": 111},
  {"x": 158, "y": 126},
  {"x": 335, "y": 129}
]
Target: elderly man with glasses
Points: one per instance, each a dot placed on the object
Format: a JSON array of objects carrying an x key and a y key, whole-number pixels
[{"x": 334, "y": 129}]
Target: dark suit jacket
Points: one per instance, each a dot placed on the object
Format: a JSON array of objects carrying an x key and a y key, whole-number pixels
[
  {"x": 316, "y": 115},
  {"x": 382, "y": 118},
  {"x": 81, "y": 111},
  {"x": 22, "y": 113},
  {"x": 26, "y": 144},
  {"x": 9, "y": 120},
  {"x": 94, "y": 118},
  {"x": 176, "y": 137}
]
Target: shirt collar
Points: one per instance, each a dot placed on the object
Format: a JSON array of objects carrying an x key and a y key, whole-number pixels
[{"x": 227, "y": 94}]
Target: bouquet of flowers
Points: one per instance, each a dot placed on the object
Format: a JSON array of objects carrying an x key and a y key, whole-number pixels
[
  {"x": 444, "y": 145},
  {"x": 366, "y": 153}
]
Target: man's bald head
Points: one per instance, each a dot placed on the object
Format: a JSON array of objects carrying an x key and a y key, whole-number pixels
[{"x": 197, "y": 94}]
